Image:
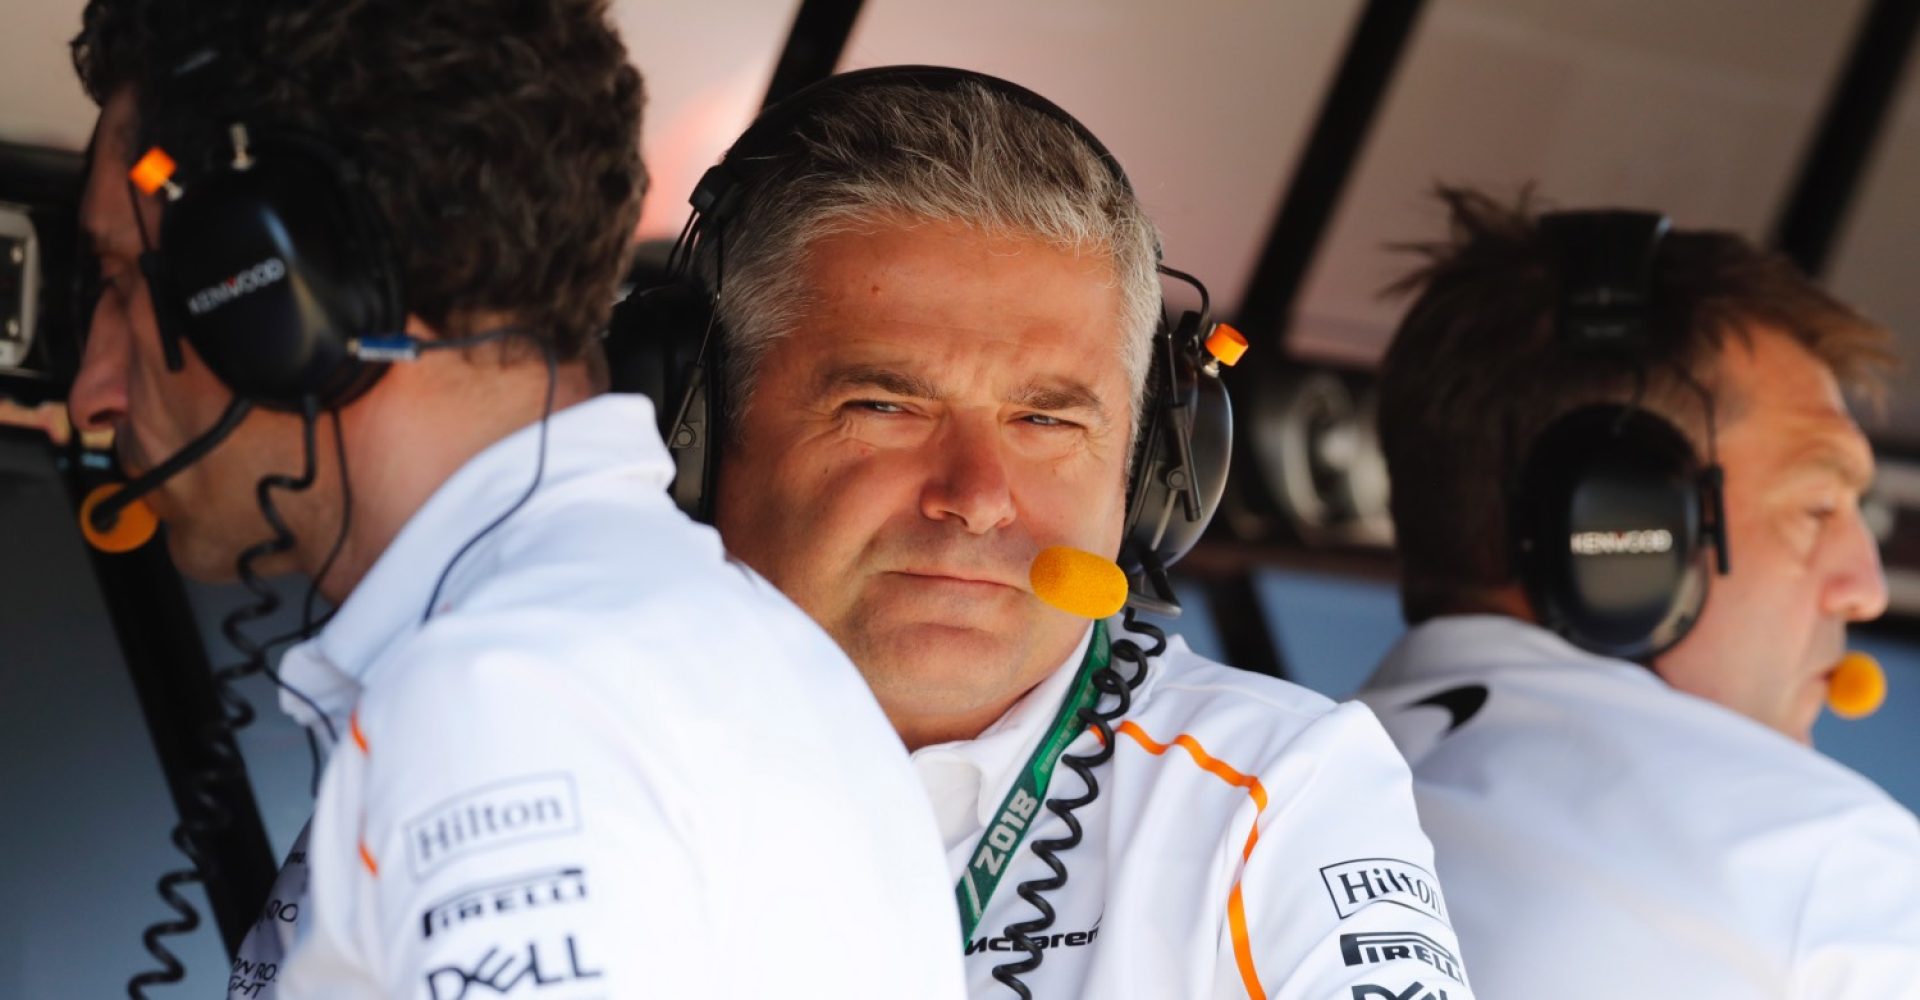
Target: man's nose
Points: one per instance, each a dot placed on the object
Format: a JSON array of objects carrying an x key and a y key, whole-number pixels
[
  {"x": 1856, "y": 586},
  {"x": 98, "y": 400},
  {"x": 968, "y": 480}
]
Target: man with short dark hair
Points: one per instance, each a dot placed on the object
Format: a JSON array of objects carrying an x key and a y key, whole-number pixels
[
  {"x": 1609, "y": 728},
  {"x": 576, "y": 752}
]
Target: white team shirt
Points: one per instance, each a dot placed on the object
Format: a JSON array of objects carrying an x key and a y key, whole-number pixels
[
  {"x": 613, "y": 764},
  {"x": 1604, "y": 835},
  {"x": 1250, "y": 839}
]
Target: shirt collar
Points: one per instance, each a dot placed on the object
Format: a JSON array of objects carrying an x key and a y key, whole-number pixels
[
  {"x": 606, "y": 435},
  {"x": 1469, "y": 645},
  {"x": 1003, "y": 747}
]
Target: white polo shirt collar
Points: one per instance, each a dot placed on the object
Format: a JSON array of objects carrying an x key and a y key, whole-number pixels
[
  {"x": 981, "y": 769},
  {"x": 607, "y": 435}
]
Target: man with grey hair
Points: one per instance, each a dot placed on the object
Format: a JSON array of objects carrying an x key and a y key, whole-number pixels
[{"x": 938, "y": 297}]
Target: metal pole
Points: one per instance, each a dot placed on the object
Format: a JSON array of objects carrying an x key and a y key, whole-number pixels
[
  {"x": 1346, "y": 118},
  {"x": 812, "y": 53},
  {"x": 1856, "y": 113}
]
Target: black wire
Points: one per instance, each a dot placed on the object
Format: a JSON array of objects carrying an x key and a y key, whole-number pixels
[
  {"x": 539, "y": 472},
  {"x": 1109, "y": 683},
  {"x": 308, "y": 625},
  {"x": 218, "y": 737},
  {"x": 1206, "y": 301}
]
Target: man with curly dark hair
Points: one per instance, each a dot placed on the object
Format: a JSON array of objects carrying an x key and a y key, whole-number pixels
[{"x": 572, "y": 744}]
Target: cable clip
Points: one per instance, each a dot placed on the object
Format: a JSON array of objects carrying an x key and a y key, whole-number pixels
[
  {"x": 398, "y": 347},
  {"x": 242, "y": 154}
]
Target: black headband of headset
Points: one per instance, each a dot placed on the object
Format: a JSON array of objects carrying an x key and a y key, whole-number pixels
[
  {"x": 717, "y": 194},
  {"x": 1606, "y": 260}
]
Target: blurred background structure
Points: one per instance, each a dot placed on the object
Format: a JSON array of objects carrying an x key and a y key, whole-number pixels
[{"x": 1282, "y": 146}]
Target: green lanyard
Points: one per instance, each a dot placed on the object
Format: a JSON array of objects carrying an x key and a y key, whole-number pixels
[{"x": 993, "y": 855}]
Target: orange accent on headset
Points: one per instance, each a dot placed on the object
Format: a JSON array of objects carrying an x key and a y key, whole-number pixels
[
  {"x": 134, "y": 528},
  {"x": 1227, "y": 344},
  {"x": 1236, "y": 905},
  {"x": 153, "y": 171}
]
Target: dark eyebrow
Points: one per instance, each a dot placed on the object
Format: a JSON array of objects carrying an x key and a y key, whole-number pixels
[
  {"x": 1064, "y": 394},
  {"x": 887, "y": 380}
]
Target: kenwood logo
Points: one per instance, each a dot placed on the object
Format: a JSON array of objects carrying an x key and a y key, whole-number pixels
[
  {"x": 1631, "y": 543},
  {"x": 246, "y": 282}
]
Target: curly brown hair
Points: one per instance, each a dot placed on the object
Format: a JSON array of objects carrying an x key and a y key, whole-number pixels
[
  {"x": 499, "y": 139},
  {"x": 1474, "y": 374}
]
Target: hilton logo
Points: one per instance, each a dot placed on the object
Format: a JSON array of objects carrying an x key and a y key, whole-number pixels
[
  {"x": 1353, "y": 884},
  {"x": 482, "y": 819}
]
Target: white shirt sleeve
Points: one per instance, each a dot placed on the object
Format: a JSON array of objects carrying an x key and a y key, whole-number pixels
[
  {"x": 1859, "y": 934},
  {"x": 1338, "y": 895},
  {"x": 510, "y": 832}
]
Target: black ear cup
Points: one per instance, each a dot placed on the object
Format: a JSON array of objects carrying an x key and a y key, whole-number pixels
[
  {"x": 1180, "y": 459},
  {"x": 1611, "y": 523},
  {"x": 654, "y": 347},
  {"x": 269, "y": 267}
]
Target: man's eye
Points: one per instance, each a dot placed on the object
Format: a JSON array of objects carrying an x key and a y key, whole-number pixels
[
  {"x": 1046, "y": 420},
  {"x": 877, "y": 406}
]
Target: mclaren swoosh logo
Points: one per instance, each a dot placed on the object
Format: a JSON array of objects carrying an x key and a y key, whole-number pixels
[{"x": 1462, "y": 703}]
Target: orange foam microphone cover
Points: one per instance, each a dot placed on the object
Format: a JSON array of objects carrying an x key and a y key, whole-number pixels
[
  {"x": 134, "y": 528},
  {"x": 1079, "y": 583},
  {"x": 1858, "y": 686}
]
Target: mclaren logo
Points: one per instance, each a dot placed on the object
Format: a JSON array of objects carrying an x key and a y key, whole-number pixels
[
  {"x": 1631, "y": 543},
  {"x": 247, "y": 282}
]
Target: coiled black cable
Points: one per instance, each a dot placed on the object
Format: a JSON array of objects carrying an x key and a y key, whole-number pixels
[
  {"x": 1109, "y": 683},
  {"x": 218, "y": 737}
]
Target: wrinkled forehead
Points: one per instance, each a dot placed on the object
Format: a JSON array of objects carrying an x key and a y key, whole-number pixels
[
  {"x": 945, "y": 299},
  {"x": 1787, "y": 413}
]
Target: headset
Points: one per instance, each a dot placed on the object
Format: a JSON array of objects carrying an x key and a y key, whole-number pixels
[
  {"x": 667, "y": 344},
  {"x": 274, "y": 265},
  {"x": 1613, "y": 512}
]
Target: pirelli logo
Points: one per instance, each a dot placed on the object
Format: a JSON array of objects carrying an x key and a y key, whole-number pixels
[{"x": 1392, "y": 946}]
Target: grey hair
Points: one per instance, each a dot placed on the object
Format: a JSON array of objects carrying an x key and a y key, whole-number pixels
[{"x": 902, "y": 153}]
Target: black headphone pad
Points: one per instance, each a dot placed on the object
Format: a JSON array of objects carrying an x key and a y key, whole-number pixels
[
  {"x": 271, "y": 271},
  {"x": 1608, "y": 531},
  {"x": 653, "y": 348},
  {"x": 1156, "y": 518}
]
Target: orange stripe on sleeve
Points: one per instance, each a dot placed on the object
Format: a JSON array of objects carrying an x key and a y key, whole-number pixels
[
  {"x": 366, "y": 858},
  {"x": 1242, "y": 947},
  {"x": 359, "y": 738},
  {"x": 1236, "y": 907}
]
